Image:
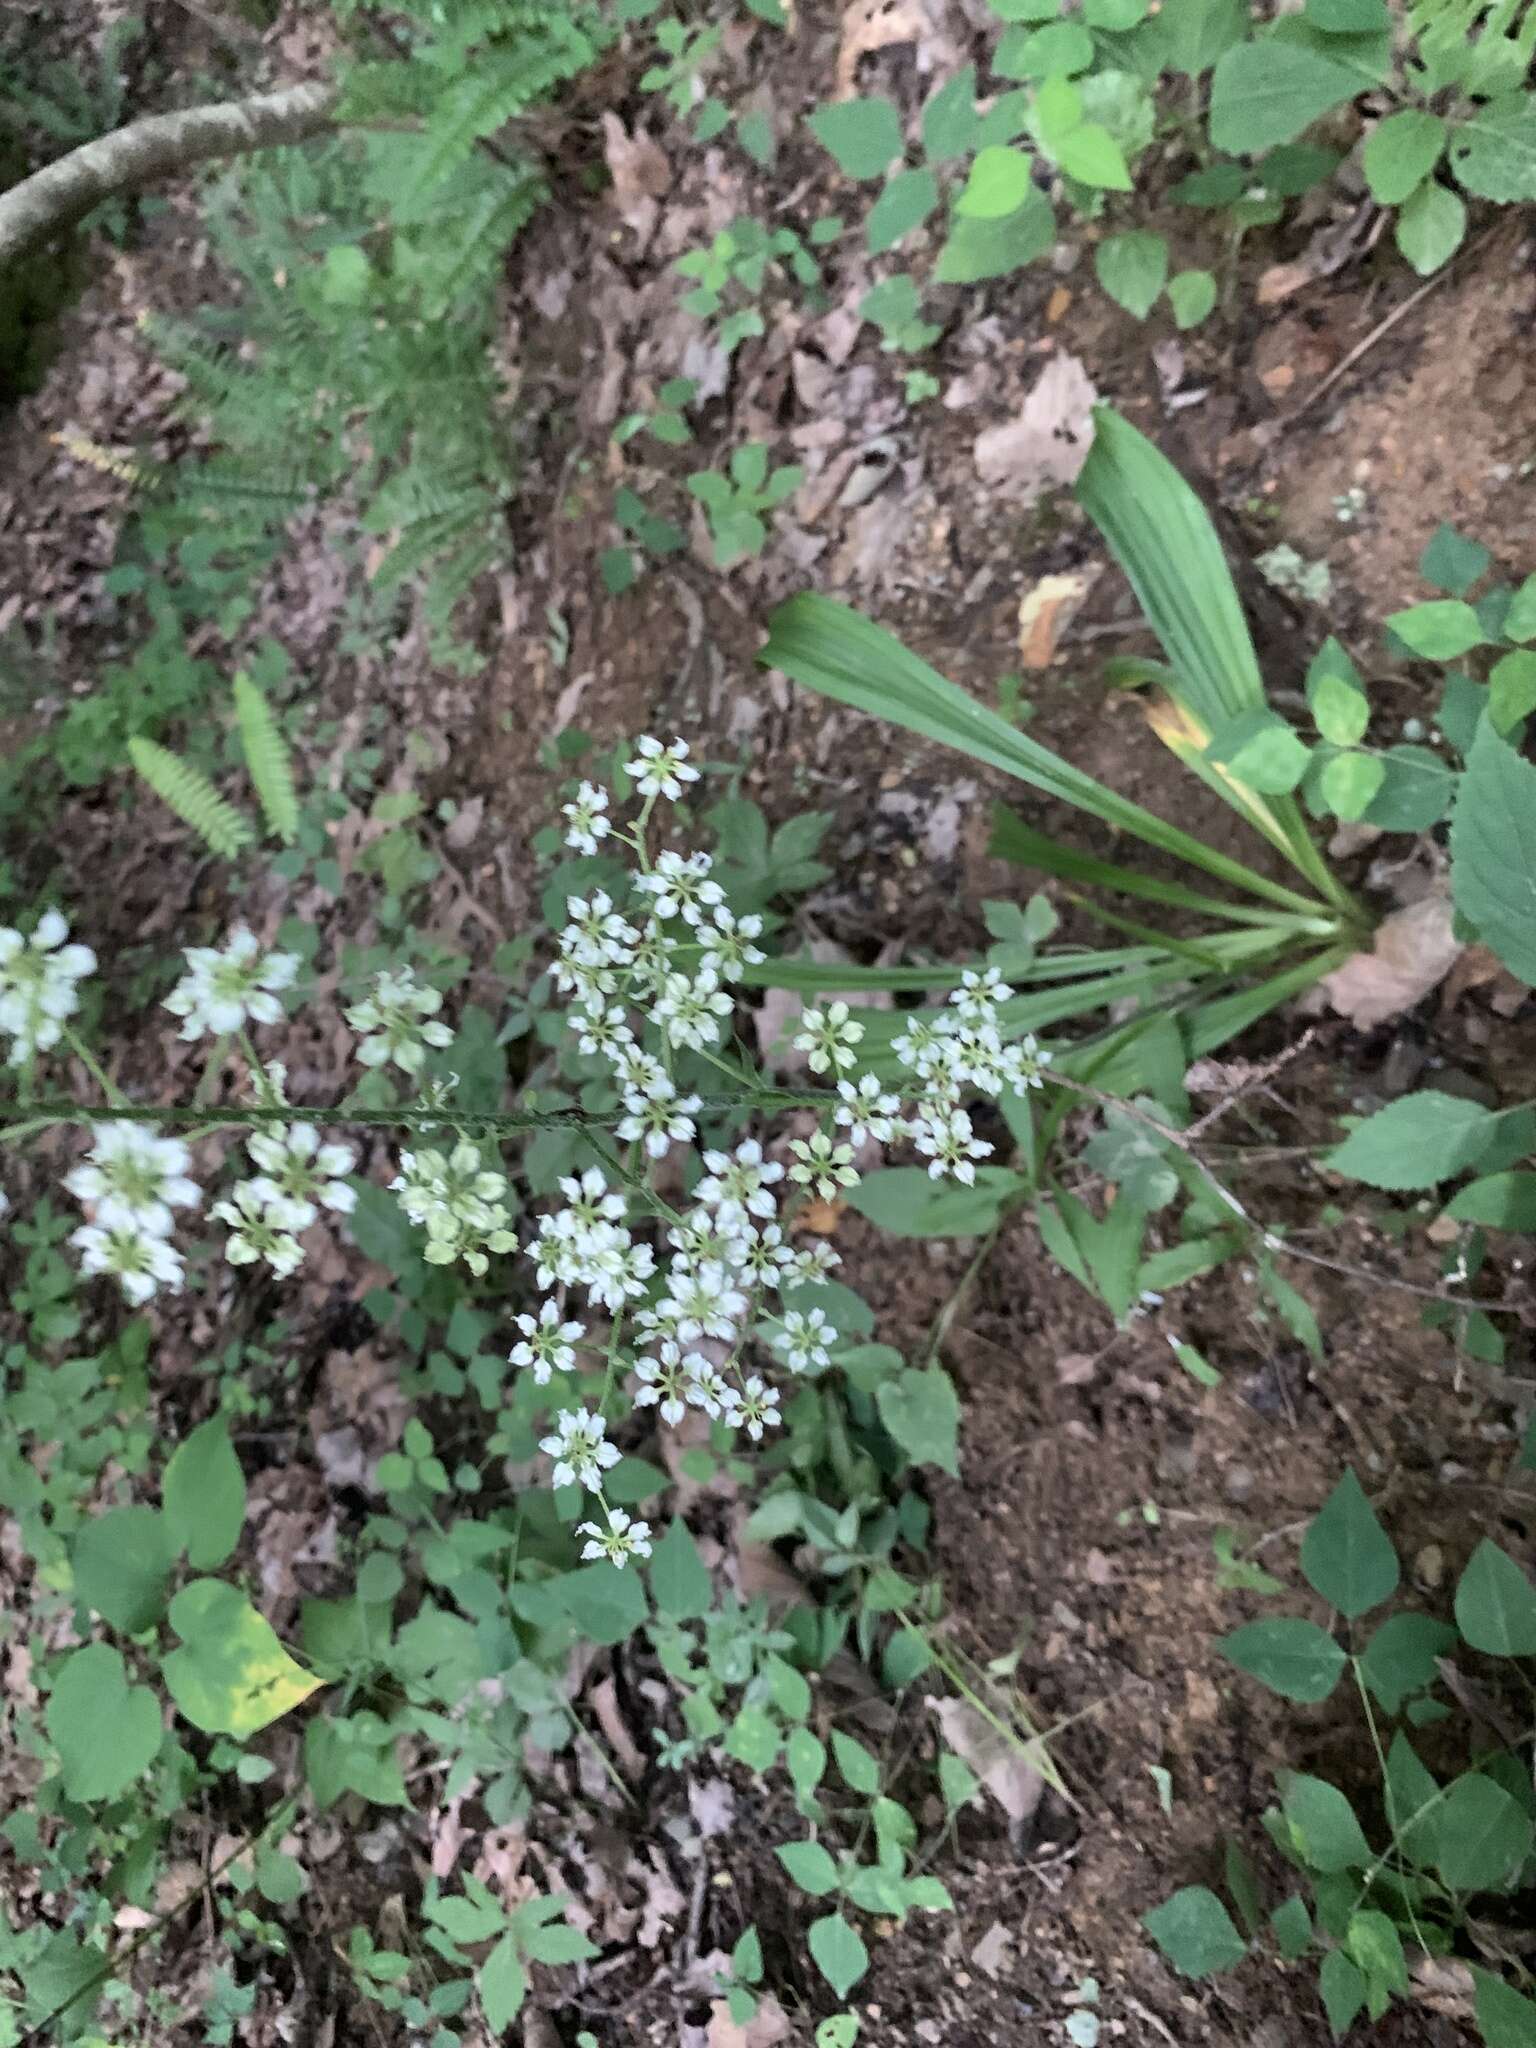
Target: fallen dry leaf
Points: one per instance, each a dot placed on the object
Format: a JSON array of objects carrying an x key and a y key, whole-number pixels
[
  {"x": 1044, "y": 612},
  {"x": 992, "y": 1952},
  {"x": 1002, "y": 1766},
  {"x": 641, "y": 175},
  {"x": 1048, "y": 443},
  {"x": 875, "y": 25},
  {"x": 768, "y": 2026},
  {"x": 1413, "y": 950}
]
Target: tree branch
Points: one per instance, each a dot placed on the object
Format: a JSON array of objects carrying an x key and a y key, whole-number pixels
[{"x": 64, "y": 192}]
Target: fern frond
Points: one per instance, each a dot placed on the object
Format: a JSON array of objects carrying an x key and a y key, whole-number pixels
[
  {"x": 191, "y": 796},
  {"x": 268, "y": 759}
]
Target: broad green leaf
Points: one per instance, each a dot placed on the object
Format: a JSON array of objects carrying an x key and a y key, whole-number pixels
[
  {"x": 837, "y": 1952},
  {"x": 606, "y": 1604},
  {"x": 1520, "y": 619},
  {"x": 1512, "y": 690},
  {"x": 905, "y": 204},
  {"x": 1374, "y": 1943},
  {"x": 1505, "y": 2017},
  {"x": 1000, "y": 180},
  {"x": 1261, "y": 750},
  {"x": 1417, "y": 1141},
  {"x": 1059, "y": 50},
  {"x": 981, "y": 249},
  {"x": 805, "y": 1758},
  {"x": 680, "y": 1582},
  {"x": 1115, "y": 16},
  {"x": 1416, "y": 791},
  {"x": 1439, "y": 629},
  {"x": 754, "y": 1739},
  {"x": 1348, "y": 17},
  {"x": 1493, "y": 851},
  {"x": 1194, "y": 1930},
  {"x": 1431, "y": 227},
  {"x": 106, "y": 1731},
  {"x": 1484, "y": 1835},
  {"x": 921, "y": 1411},
  {"x": 1343, "y": 1990},
  {"x": 1340, "y": 708},
  {"x": 1350, "y": 783},
  {"x": 810, "y": 1866},
  {"x": 1493, "y": 151},
  {"x": 1292, "y": 1925},
  {"x": 1323, "y": 1825},
  {"x": 858, "y": 1766},
  {"x": 864, "y": 135},
  {"x": 231, "y": 1676},
  {"x": 1402, "y": 1657},
  {"x": 1412, "y": 1800},
  {"x": 1400, "y": 153},
  {"x": 1192, "y": 295},
  {"x": 905, "y": 1201},
  {"x": 1266, "y": 92},
  {"x": 1199, "y": 32},
  {"x": 1452, "y": 561},
  {"x": 1496, "y": 1604},
  {"x": 950, "y": 120},
  {"x": 1091, "y": 154},
  {"x": 1290, "y": 1655},
  {"x": 203, "y": 1495},
  {"x": 503, "y": 1985},
  {"x": 1132, "y": 268},
  {"x": 1346, "y": 1555},
  {"x": 121, "y": 1561},
  {"x": 1499, "y": 1201}
]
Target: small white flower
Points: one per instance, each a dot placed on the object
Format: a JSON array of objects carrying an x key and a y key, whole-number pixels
[
  {"x": 708, "y": 1387},
  {"x": 602, "y": 1031},
  {"x": 664, "y": 1384},
  {"x": 727, "y": 943},
  {"x": 822, "y": 1165},
  {"x": 755, "y": 1408},
  {"x": 597, "y": 935},
  {"x": 1023, "y": 1064},
  {"x": 620, "y": 1540},
  {"x": 661, "y": 770},
  {"x": 949, "y": 1142},
  {"x": 459, "y": 1202},
  {"x": 866, "y": 1111},
  {"x": 737, "y": 1183},
  {"x": 805, "y": 1339},
  {"x": 620, "y": 1272},
  {"x": 766, "y": 1257},
  {"x": 977, "y": 997},
  {"x": 704, "y": 1302},
  {"x": 399, "y": 1021},
  {"x": 296, "y": 1167},
  {"x": 39, "y": 984},
  {"x": 827, "y": 1037},
  {"x": 580, "y": 1449},
  {"x": 659, "y": 1119},
  {"x": 681, "y": 886},
  {"x": 548, "y": 1345},
  {"x": 224, "y": 989},
  {"x": 131, "y": 1176},
  {"x": 262, "y": 1228},
  {"x": 690, "y": 1008},
  {"x": 588, "y": 823},
  {"x": 139, "y": 1259}
]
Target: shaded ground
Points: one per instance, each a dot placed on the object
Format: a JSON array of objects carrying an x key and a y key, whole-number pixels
[{"x": 1094, "y": 1473}]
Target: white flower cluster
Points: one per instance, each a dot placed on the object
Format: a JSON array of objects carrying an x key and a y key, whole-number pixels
[
  {"x": 225, "y": 988},
  {"x": 40, "y": 980},
  {"x": 132, "y": 1180},
  {"x": 398, "y": 1022},
  {"x": 458, "y": 1201}
]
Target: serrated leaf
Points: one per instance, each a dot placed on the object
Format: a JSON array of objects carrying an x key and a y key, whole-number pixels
[
  {"x": 1132, "y": 268},
  {"x": 863, "y": 134},
  {"x": 1194, "y": 1930},
  {"x": 1289, "y": 1654},
  {"x": 1400, "y": 153},
  {"x": 503, "y": 1985},
  {"x": 1493, "y": 851},
  {"x": 267, "y": 759},
  {"x": 1346, "y": 1555},
  {"x": 106, "y": 1731},
  {"x": 1499, "y": 1201},
  {"x": 189, "y": 793},
  {"x": 1417, "y": 1141},
  {"x": 203, "y": 1495},
  {"x": 1496, "y": 1604},
  {"x": 1266, "y": 92}
]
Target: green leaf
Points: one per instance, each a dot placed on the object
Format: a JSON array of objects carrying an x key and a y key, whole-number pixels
[
  {"x": 1493, "y": 851},
  {"x": 1416, "y": 792},
  {"x": 1346, "y": 1555},
  {"x": 1000, "y": 180},
  {"x": 1266, "y": 92},
  {"x": 1484, "y": 1835},
  {"x": 1496, "y": 1604},
  {"x": 232, "y": 1676},
  {"x": 1417, "y": 1141},
  {"x": 1512, "y": 690},
  {"x": 121, "y": 1561},
  {"x": 1292, "y": 1925},
  {"x": 805, "y": 1758},
  {"x": 106, "y": 1731},
  {"x": 280, "y": 1879},
  {"x": 1261, "y": 750},
  {"x": 1323, "y": 1824},
  {"x": 837, "y": 1952},
  {"x": 1132, "y": 268},
  {"x": 1057, "y": 51},
  {"x": 606, "y": 1604},
  {"x": 981, "y": 249},
  {"x": 1340, "y": 708},
  {"x": 950, "y": 120},
  {"x": 1348, "y": 17},
  {"x": 810, "y": 1866},
  {"x": 1499, "y": 1201},
  {"x": 921, "y": 1411},
  {"x": 1375, "y": 1944},
  {"x": 905, "y": 1201},
  {"x": 1292, "y": 1656},
  {"x": 1493, "y": 151},
  {"x": 268, "y": 760},
  {"x": 857, "y": 1765},
  {"x": 1402, "y": 1657},
  {"x": 1091, "y": 154},
  {"x": 1115, "y": 17},
  {"x": 1439, "y": 629},
  {"x": 1412, "y": 1801},
  {"x": 203, "y": 1496},
  {"x": 680, "y": 1582},
  {"x": 1431, "y": 227},
  {"x": 1199, "y": 32},
  {"x": 753, "y": 1738},
  {"x": 1192, "y": 295},
  {"x": 1194, "y": 1930},
  {"x": 503, "y": 1985},
  {"x": 1520, "y": 619},
  {"x": 1505, "y": 2018},
  {"x": 188, "y": 792},
  {"x": 1400, "y": 153},
  {"x": 1350, "y": 783},
  {"x": 1452, "y": 562},
  {"x": 905, "y": 204},
  {"x": 1343, "y": 1989},
  {"x": 864, "y": 135}
]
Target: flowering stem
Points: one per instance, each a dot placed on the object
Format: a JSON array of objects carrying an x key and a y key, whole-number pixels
[{"x": 93, "y": 1066}]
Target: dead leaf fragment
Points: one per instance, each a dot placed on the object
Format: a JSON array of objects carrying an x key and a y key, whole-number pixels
[
  {"x": 1044, "y": 612},
  {"x": 768, "y": 2026},
  {"x": 1413, "y": 950},
  {"x": 1048, "y": 443},
  {"x": 875, "y": 25},
  {"x": 1002, "y": 1766},
  {"x": 993, "y": 1952},
  {"x": 641, "y": 175}
]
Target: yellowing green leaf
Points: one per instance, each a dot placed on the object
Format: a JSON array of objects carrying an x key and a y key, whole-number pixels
[{"x": 231, "y": 1676}]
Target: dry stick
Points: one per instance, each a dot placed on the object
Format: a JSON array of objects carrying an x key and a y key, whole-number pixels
[{"x": 64, "y": 192}]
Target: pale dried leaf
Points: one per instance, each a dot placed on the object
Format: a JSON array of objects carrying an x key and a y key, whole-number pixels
[
  {"x": 641, "y": 175},
  {"x": 1048, "y": 443},
  {"x": 712, "y": 1803},
  {"x": 993, "y": 1952},
  {"x": 1413, "y": 950},
  {"x": 768, "y": 2026},
  {"x": 874, "y": 25},
  {"x": 1002, "y": 1765},
  {"x": 1044, "y": 611}
]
